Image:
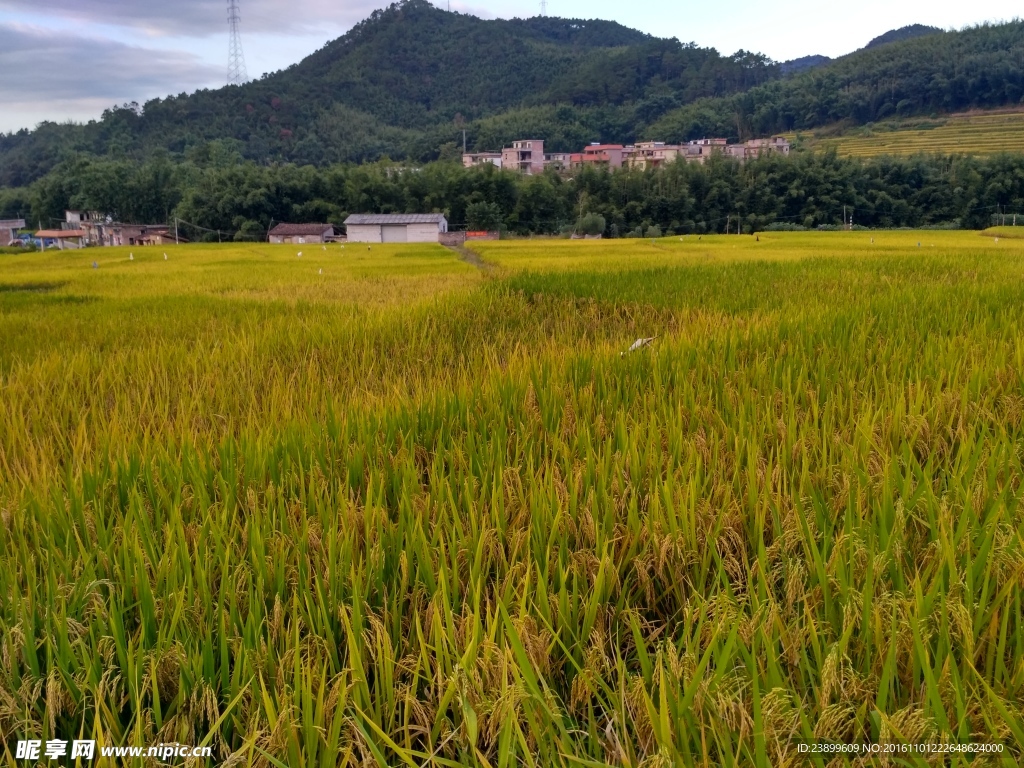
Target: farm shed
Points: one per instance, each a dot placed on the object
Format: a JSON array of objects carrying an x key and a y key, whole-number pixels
[
  {"x": 395, "y": 227},
  {"x": 9, "y": 230},
  {"x": 301, "y": 233},
  {"x": 62, "y": 238}
]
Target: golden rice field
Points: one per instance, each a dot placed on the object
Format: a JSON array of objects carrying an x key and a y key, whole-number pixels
[
  {"x": 384, "y": 508},
  {"x": 962, "y": 134}
]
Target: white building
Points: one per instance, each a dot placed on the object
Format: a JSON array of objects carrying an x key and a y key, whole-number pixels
[{"x": 395, "y": 227}]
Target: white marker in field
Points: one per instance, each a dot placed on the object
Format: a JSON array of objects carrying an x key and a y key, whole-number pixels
[
  {"x": 165, "y": 257},
  {"x": 321, "y": 270},
  {"x": 300, "y": 254},
  {"x": 131, "y": 257},
  {"x": 638, "y": 344}
]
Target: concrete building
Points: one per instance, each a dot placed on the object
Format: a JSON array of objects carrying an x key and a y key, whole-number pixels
[
  {"x": 757, "y": 147},
  {"x": 651, "y": 154},
  {"x": 558, "y": 160},
  {"x": 471, "y": 159},
  {"x": 738, "y": 151},
  {"x": 95, "y": 225},
  {"x": 699, "y": 150},
  {"x": 102, "y": 230},
  {"x": 602, "y": 155},
  {"x": 526, "y": 156},
  {"x": 301, "y": 233},
  {"x": 395, "y": 227},
  {"x": 9, "y": 230}
]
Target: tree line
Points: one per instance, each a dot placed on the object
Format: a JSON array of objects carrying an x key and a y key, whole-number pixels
[{"x": 221, "y": 196}]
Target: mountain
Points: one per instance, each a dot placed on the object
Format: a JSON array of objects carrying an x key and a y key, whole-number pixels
[
  {"x": 412, "y": 80},
  {"x": 903, "y": 33},
  {"x": 804, "y": 63},
  {"x": 939, "y": 72},
  {"x": 405, "y": 82}
]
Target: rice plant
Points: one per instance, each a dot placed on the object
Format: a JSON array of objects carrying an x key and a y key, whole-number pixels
[{"x": 410, "y": 513}]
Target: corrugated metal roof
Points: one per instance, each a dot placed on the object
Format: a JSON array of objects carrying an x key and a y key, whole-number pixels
[
  {"x": 289, "y": 230},
  {"x": 395, "y": 218},
  {"x": 12, "y": 223},
  {"x": 56, "y": 234}
]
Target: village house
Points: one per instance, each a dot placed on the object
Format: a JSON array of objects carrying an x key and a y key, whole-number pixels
[
  {"x": 471, "y": 159},
  {"x": 9, "y": 231},
  {"x": 154, "y": 235},
  {"x": 651, "y": 154},
  {"x": 395, "y": 227},
  {"x": 526, "y": 156},
  {"x": 757, "y": 147},
  {"x": 699, "y": 150},
  {"x": 301, "y": 233},
  {"x": 599, "y": 155},
  {"x": 102, "y": 230},
  {"x": 557, "y": 160}
]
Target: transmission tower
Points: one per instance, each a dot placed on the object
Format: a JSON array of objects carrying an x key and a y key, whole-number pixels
[
  {"x": 236, "y": 59},
  {"x": 543, "y": 7}
]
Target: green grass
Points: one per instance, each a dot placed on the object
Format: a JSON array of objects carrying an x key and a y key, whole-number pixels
[
  {"x": 312, "y": 525},
  {"x": 960, "y": 134}
]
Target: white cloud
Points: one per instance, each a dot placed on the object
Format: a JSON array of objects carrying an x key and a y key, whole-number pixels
[{"x": 69, "y": 76}]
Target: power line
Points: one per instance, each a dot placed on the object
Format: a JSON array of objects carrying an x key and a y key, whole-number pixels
[{"x": 237, "y": 73}]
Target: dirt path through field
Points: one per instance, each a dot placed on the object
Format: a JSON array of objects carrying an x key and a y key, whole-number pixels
[{"x": 470, "y": 257}]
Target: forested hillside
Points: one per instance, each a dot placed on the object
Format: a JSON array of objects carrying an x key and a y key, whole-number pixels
[
  {"x": 940, "y": 72},
  {"x": 404, "y": 83}
]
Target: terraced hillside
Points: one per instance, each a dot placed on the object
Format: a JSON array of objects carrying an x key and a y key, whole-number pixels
[{"x": 968, "y": 134}]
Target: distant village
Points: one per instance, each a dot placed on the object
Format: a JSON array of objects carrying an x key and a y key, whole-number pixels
[
  {"x": 83, "y": 228},
  {"x": 528, "y": 155}
]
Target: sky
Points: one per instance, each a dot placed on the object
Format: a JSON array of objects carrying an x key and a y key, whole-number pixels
[{"x": 71, "y": 59}]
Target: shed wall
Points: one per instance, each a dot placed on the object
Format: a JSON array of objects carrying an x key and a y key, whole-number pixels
[
  {"x": 364, "y": 233},
  {"x": 423, "y": 233}
]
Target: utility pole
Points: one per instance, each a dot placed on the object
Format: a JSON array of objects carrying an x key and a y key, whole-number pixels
[
  {"x": 463, "y": 141},
  {"x": 175, "y": 230}
]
